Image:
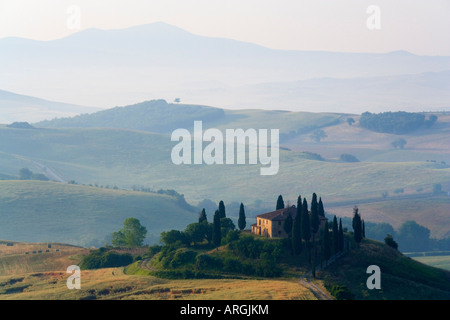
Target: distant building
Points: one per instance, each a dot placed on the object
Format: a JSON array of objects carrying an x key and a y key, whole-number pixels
[{"x": 270, "y": 224}]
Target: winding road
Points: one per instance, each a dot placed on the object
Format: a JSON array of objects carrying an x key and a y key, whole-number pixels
[
  {"x": 316, "y": 291},
  {"x": 48, "y": 172}
]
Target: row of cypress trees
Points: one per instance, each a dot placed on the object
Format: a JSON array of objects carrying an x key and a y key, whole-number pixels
[
  {"x": 219, "y": 215},
  {"x": 303, "y": 229}
]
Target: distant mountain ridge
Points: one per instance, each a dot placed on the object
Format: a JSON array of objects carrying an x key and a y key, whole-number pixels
[{"x": 107, "y": 68}]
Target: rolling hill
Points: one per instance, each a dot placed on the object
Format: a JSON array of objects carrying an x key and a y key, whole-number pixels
[
  {"x": 422, "y": 144},
  {"x": 19, "y": 258},
  {"x": 402, "y": 278},
  {"x": 162, "y": 117},
  {"x": 126, "y": 158},
  {"x": 34, "y": 211},
  {"x": 16, "y": 107},
  {"x": 295, "y": 129}
]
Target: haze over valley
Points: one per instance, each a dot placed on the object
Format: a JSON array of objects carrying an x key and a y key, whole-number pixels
[
  {"x": 192, "y": 152},
  {"x": 108, "y": 68}
]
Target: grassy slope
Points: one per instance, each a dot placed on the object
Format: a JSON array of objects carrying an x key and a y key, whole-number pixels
[
  {"x": 423, "y": 144},
  {"x": 442, "y": 262},
  {"x": 430, "y": 212},
  {"x": 43, "y": 276},
  {"x": 48, "y": 211},
  {"x": 14, "y": 260},
  {"x": 401, "y": 277},
  {"x": 162, "y": 117},
  {"x": 114, "y": 284},
  {"x": 126, "y": 158}
]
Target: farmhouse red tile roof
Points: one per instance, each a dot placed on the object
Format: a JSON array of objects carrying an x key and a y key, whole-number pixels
[{"x": 280, "y": 214}]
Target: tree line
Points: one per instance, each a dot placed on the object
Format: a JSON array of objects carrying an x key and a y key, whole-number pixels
[{"x": 400, "y": 122}]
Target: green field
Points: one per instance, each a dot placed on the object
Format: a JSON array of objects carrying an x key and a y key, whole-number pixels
[
  {"x": 116, "y": 149},
  {"x": 111, "y": 157},
  {"x": 159, "y": 116},
  {"x": 35, "y": 211},
  {"x": 438, "y": 261},
  {"x": 422, "y": 145},
  {"x": 126, "y": 158}
]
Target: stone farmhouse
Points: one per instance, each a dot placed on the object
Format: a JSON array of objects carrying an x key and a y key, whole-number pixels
[{"x": 270, "y": 224}]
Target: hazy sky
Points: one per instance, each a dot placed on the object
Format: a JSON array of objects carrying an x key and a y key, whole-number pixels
[{"x": 418, "y": 26}]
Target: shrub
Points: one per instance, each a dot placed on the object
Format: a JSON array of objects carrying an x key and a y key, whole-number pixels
[
  {"x": 231, "y": 236},
  {"x": 232, "y": 265},
  {"x": 152, "y": 250},
  {"x": 312, "y": 156},
  {"x": 340, "y": 292},
  {"x": 104, "y": 258},
  {"x": 113, "y": 259},
  {"x": 174, "y": 237},
  {"x": 247, "y": 247},
  {"x": 268, "y": 268},
  {"x": 182, "y": 258},
  {"x": 348, "y": 158},
  {"x": 205, "y": 261},
  {"x": 399, "y": 143},
  {"x": 389, "y": 240}
]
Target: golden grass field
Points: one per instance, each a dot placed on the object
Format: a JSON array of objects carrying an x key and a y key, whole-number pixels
[
  {"x": 42, "y": 276},
  {"x": 114, "y": 284},
  {"x": 15, "y": 260}
]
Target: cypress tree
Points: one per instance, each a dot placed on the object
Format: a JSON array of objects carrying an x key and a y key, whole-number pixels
[
  {"x": 315, "y": 222},
  {"x": 217, "y": 235},
  {"x": 202, "y": 216},
  {"x": 241, "y": 221},
  {"x": 222, "y": 213},
  {"x": 357, "y": 225},
  {"x": 321, "y": 210},
  {"x": 335, "y": 235},
  {"x": 341, "y": 236},
  {"x": 280, "y": 202},
  {"x": 363, "y": 229},
  {"x": 326, "y": 245},
  {"x": 297, "y": 228},
  {"x": 306, "y": 226},
  {"x": 299, "y": 205},
  {"x": 288, "y": 226}
]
